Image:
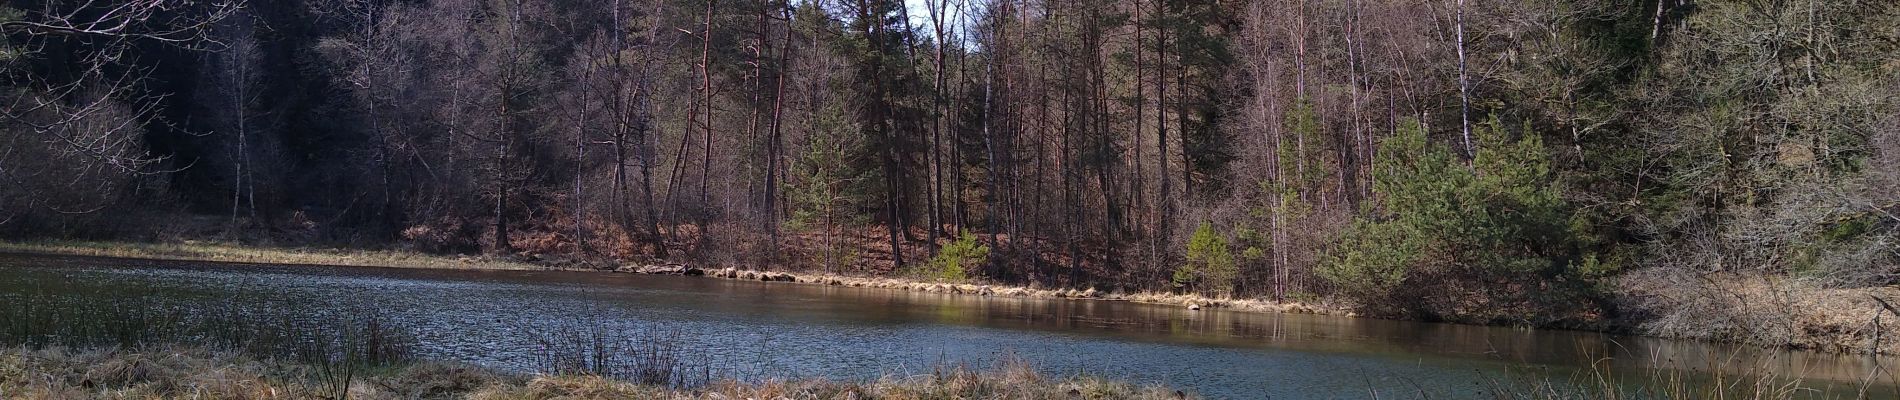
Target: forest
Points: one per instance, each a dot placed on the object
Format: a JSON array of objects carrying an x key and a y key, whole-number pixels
[{"x": 1529, "y": 162}]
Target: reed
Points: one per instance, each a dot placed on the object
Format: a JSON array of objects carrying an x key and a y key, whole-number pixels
[
  {"x": 1729, "y": 378},
  {"x": 653, "y": 356},
  {"x": 186, "y": 372},
  {"x": 51, "y": 314}
]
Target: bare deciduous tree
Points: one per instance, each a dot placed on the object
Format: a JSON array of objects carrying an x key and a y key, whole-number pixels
[{"x": 73, "y": 101}]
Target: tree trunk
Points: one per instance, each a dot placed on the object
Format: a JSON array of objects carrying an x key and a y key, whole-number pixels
[
  {"x": 994, "y": 190},
  {"x": 758, "y": 107},
  {"x": 705, "y": 76},
  {"x": 1141, "y": 90},
  {"x": 773, "y": 148},
  {"x": 880, "y": 109},
  {"x": 1165, "y": 214},
  {"x": 1464, "y": 85}
]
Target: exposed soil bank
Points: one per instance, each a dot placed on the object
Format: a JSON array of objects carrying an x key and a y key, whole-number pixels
[{"x": 984, "y": 289}]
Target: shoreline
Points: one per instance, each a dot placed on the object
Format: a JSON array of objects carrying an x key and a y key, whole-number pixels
[
  {"x": 1826, "y": 331},
  {"x": 202, "y": 251},
  {"x": 1193, "y": 302}
]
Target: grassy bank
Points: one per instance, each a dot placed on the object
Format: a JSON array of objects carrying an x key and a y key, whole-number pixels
[
  {"x": 228, "y": 252},
  {"x": 168, "y": 373},
  {"x": 196, "y": 373}
]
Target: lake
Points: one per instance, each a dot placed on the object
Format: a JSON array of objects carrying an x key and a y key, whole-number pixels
[{"x": 753, "y": 330}]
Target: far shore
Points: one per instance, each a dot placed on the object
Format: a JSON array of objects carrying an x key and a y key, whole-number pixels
[
  {"x": 236, "y": 253},
  {"x": 192, "y": 250}
]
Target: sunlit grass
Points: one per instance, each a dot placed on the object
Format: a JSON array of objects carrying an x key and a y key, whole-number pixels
[{"x": 240, "y": 253}]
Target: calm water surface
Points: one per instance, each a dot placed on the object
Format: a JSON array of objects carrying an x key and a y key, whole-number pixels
[{"x": 755, "y": 329}]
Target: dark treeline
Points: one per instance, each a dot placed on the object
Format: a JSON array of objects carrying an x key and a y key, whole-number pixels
[{"x": 1478, "y": 160}]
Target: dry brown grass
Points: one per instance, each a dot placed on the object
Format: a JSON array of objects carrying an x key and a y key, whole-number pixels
[
  {"x": 1760, "y": 310},
  {"x": 227, "y": 252},
  {"x": 63, "y": 374},
  {"x": 1010, "y": 381},
  {"x": 184, "y": 373},
  {"x": 1597, "y": 382}
]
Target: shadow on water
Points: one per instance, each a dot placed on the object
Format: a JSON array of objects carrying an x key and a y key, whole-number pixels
[{"x": 685, "y": 332}]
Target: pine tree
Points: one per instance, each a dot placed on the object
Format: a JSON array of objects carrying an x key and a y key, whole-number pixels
[{"x": 1488, "y": 243}]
